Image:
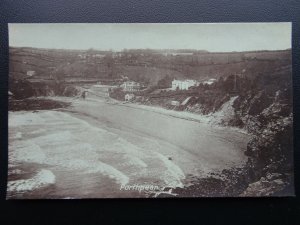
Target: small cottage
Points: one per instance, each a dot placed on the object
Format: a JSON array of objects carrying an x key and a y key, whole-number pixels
[
  {"x": 175, "y": 103},
  {"x": 129, "y": 97}
]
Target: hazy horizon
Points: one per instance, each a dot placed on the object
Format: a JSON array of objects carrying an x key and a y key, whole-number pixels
[
  {"x": 216, "y": 37},
  {"x": 122, "y": 50}
]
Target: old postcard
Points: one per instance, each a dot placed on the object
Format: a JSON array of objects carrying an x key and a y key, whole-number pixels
[{"x": 150, "y": 110}]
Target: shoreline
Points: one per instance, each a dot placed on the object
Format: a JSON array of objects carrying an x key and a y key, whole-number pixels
[
  {"x": 193, "y": 117},
  {"x": 208, "y": 180},
  {"x": 66, "y": 102},
  {"x": 204, "y": 119}
]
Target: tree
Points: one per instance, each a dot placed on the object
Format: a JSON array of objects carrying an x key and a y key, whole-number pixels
[{"x": 165, "y": 82}]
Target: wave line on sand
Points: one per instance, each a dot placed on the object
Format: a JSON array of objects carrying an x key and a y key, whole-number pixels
[{"x": 42, "y": 179}]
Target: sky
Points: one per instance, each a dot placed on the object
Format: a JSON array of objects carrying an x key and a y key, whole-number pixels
[{"x": 218, "y": 37}]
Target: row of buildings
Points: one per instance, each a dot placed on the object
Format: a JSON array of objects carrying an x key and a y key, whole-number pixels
[{"x": 133, "y": 86}]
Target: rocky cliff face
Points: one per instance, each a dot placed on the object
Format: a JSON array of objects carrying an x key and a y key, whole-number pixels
[
  {"x": 267, "y": 113},
  {"x": 270, "y": 150},
  {"x": 264, "y": 109}
]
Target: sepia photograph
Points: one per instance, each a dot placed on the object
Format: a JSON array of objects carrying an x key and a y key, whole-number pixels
[{"x": 150, "y": 110}]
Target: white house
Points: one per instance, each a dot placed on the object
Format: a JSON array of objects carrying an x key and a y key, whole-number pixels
[
  {"x": 184, "y": 84},
  {"x": 175, "y": 103},
  {"x": 30, "y": 73},
  {"x": 129, "y": 97},
  {"x": 131, "y": 86},
  {"x": 210, "y": 81}
]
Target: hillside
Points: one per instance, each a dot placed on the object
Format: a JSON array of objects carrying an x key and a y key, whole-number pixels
[{"x": 141, "y": 65}]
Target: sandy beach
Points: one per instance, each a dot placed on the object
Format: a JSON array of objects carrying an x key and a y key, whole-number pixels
[{"x": 95, "y": 146}]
